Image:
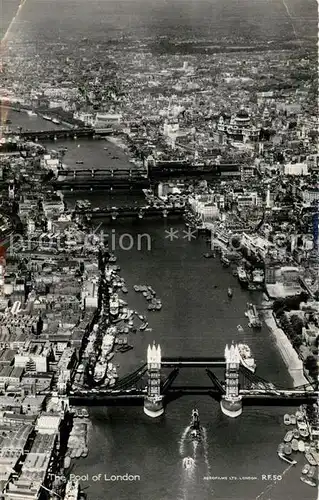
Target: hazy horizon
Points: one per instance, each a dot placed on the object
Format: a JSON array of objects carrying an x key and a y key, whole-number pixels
[{"x": 253, "y": 20}]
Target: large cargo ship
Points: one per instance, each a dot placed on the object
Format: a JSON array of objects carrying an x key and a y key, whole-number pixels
[
  {"x": 107, "y": 344},
  {"x": 246, "y": 357}
]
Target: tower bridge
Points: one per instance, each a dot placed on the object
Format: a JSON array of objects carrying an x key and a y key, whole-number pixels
[{"x": 148, "y": 387}]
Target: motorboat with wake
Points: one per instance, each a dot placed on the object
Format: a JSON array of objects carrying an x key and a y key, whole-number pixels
[{"x": 195, "y": 427}]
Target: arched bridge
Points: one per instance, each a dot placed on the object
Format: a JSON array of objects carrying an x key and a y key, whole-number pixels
[
  {"x": 101, "y": 172},
  {"x": 129, "y": 211},
  {"x": 58, "y": 133}
]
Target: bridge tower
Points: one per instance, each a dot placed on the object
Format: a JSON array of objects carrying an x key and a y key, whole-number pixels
[
  {"x": 153, "y": 402},
  {"x": 231, "y": 403}
]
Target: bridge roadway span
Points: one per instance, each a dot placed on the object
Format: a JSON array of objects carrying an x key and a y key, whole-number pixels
[
  {"x": 104, "y": 172},
  {"x": 171, "y": 169},
  {"x": 102, "y": 183},
  {"x": 136, "y": 397},
  {"x": 133, "y": 388},
  {"x": 59, "y": 133},
  {"x": 101, "y": 176},
  {"x": 140, "y": 211},
  {"x": 192, "y": 362}
]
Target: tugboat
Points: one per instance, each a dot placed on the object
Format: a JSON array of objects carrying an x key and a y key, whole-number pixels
[
  {"x": 230, "y": 292},
  {"x": 305, "y": 469},
  {"x": 143, "y": 326},
  {"x": 287, "y": 449},
  {"x": 253, "y": 316},
  {"x": 195, "y": 428},
  {"x": 287, "y": 420},
  {"x": 310, "y": 459},
  {"x": 188, "y": 462},
  {"x": 225, "y": 262},
  {"x": 209, "y": 255},
  {"x": 301, "y": 446},
  {"x": 308, "y": 480},
  {"x": 242, "y": 276},
  {"x": 294, "y": 444},
  {"x": 288, "y": 437},
  {"x": 312, "y": 471},
  {"x": 296, "y": 433},
  {"x": 158, "y": 305}
]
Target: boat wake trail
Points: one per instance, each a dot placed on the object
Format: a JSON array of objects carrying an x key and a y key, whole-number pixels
[
  {"x": 193, "y": 448},
  {"x": 187, "y": 478},
  {"x": 183, "y": 440},
  {"x": 205, "y": 450}
]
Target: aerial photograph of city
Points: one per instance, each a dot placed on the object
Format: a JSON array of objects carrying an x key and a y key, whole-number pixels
[{"x": 159, "y": 258}]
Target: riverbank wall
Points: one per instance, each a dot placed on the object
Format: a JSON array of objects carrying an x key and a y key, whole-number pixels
[{"x": 288, "y": 353}]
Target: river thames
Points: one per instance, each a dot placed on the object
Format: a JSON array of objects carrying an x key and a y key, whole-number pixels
[
  {"x": 238, "y": 457},
  {"x": 197, "y": 319}
]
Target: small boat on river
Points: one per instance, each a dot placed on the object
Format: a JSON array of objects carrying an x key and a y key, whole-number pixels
[
  {"x": 288, "y": 449},
  {"x": 287, "y": 420},
  {"x": 288, "y": 437},
  {"x": 143, "y": 326},
  {"x": 294, "y": 444},
  {"x": 301, "y": 446}
]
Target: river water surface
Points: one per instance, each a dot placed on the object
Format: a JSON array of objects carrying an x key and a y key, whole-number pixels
[{"x": 197, "y": 319}]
